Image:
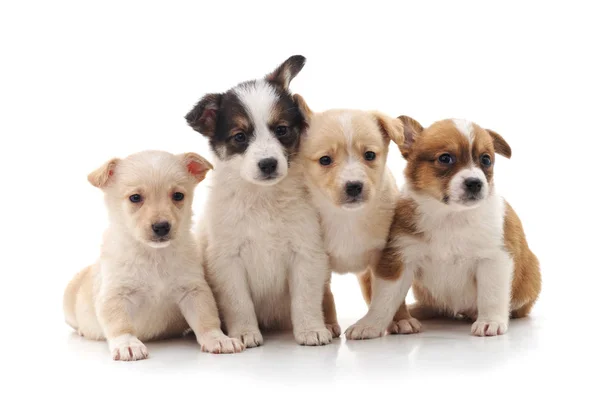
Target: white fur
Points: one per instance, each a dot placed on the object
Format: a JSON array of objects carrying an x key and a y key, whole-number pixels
[
  {"x": 457, "y": 190},
  {"x": 466, "y": 128},
  {"x": 265, "y": 257},
  {"x": 259, "y": 100},
  {"x": 461, "y": 258}
]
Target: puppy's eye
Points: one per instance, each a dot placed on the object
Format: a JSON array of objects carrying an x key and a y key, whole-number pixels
[
  {"x": 135, "y": 198},
  {"x": 325, "y": 160},
  {"x": 178, "y": 196},
  {"x": 447, "y": 159},
  {"x": 370, "y": 156},
  {"x": 486, "y": 160},
  {"x": 240, "y": 137},
  {"x": 281, "y": 130}
]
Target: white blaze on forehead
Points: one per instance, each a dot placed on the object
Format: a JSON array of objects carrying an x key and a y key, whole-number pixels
[
  {"x": 258, "y": 99},
  {"x": 466, "y": 128},
  {"x": 346, "y": 125}
]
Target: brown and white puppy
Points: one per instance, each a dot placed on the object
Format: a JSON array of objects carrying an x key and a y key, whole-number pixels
[
  {"x": 462, "y": 242},
  {"x": 147, "y": 283},
  {"x": 344, "y": 156},
  {"x": 265, "y": 255}
]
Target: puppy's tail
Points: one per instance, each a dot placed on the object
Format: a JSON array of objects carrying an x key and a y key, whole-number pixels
[{"x": 70, "y": 297}]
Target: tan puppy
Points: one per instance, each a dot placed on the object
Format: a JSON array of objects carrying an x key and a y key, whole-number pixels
[
  {"x": 344, "y": 155},
  {"x": 462, "y": 242},
  {"x": 148, "y": 283}
]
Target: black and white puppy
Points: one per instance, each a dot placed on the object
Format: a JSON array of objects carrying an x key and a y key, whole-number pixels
[{"x": 265, "y": 257}]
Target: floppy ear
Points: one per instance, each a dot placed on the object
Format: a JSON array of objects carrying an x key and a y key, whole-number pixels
[
  {"x": 196, "y": 165},
  {"x": 303, "y": 107},
  {"x": 203, "y": 117},
  {"x": 390, "y": 127},
  {"x": 283, "y": 75},
  {"x": 411, "y": 129},
  {"x": 102, "y": 176},
  {"x": 500, "y": 145}
]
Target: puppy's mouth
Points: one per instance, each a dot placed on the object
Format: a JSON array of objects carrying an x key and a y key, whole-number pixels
[
  {"x": 159, "y": 243},
  {"x": 467, "y": 200},
  {"x": 353, "y": 203},
  {"x": 268, "y": 180}
]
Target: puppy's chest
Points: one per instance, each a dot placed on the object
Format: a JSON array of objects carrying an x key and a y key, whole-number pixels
[{"x": 350, "y": 245}]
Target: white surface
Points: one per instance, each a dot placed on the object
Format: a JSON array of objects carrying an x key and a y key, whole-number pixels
[{"x": 81, "y": 83}]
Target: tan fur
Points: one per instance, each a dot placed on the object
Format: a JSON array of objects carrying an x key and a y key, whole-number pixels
[{"x": 144, "y": 286}]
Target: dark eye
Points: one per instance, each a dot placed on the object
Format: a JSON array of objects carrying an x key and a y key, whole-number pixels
[
  {"x": 446, "y": 159},
  {"x": 281, "y": 130},
  {"x": 370, "y": 156},
  {"x": 240, "y": 137},
  {"x": 325, "y": 160},
  {"x": 486, "y": 160},
  {"x": 178, "y": 196},
  {"x": 135, "y": 198}
]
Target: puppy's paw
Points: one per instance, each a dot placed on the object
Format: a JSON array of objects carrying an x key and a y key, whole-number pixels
[
  {"x": 363, "y": 330},
  {"x": 335, "y": 330},
  {"x": 484, "y": 327},
  {"x": 220, "y": 344},
  {"x": 405, "y": 326},
  {"x": 316, "y": 337},
  {"x": 127, "y": 348},
  {"x": 249, "y": 338}
]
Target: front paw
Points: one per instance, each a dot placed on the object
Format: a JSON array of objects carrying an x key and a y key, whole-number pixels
[
  {"x": 316, "y": 337},
  {"x": 363, "y": 330},
  {"x": 127, "y": 348},
  {"x": 488, "y": 327},
  {"x": 250, "y": 338},
  {"x": 405, "y": 326},
  {"x": 220, "y": 344},
  {"x": 335, "y": 329}
]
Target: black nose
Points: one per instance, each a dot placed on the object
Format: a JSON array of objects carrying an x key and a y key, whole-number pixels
[
  {"x": 353, "y": 189},
  {"x": 473, "y": 185},
  {"x": 161, "y": 228},
  {"x": 267, "y": 165}
]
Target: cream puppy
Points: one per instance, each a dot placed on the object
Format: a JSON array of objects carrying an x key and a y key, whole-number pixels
[
  {"x": 463, "y": 243},
  {"x": 344, "y": 155},
  {"x": 148, "y": 282},
  {"x": 265, "y": 256}
]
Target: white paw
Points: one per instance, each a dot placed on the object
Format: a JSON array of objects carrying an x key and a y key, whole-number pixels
[
  {"x": 483, "y": 327},
  {"x": 363, "y": 330},
  {"x": 249, "y": 338},
  {"x": 317, "y": 337},
  {"x": 335, "y": 330},
  {"x": 127, "y": 348},
  {"x": 405, "y": 326},
  {"x": 220, "y": 344}
]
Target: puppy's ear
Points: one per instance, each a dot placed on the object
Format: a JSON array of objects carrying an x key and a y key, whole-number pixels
[
  {"x": 411, "y": 130},
  {"x": 102, "y": 176},
  {"x": 303, "y": 107},
  {"x": 390, "y": 127},
  {"x": 283, "y": 75},
  {"x": 500, "y": 145},
  {"x": 196, "y": 165},
  {"x": 203, "y": 117}
]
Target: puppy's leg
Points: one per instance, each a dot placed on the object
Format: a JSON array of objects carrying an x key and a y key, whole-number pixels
[
  {"x": 403, "y": 322},
  {"x": 388, "y": 295},
  {"x": 200, "y": 311},
  {"x": 114, "y": 318},
  {"x": 307, "y": 278},
  {"x": 70, "y": 297},
  {"x": 364, "y": 280},
  {"x": 331, "y": 322},
  {"x": 493, "y": 296},
  {"x": 228, "y": 277}
]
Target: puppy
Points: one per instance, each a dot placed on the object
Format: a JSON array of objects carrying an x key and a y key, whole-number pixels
[
  {"x": 148, "y": 283},
  {"x": 463, "y": 243},
  {"x": 344, "y": 155},
  {"x": 265, "y": 256}
]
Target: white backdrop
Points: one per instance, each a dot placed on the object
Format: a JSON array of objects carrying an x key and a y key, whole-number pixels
[{"x": 82, "y": 82}]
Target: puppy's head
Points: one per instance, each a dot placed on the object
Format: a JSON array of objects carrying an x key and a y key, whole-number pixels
[
  {"x": 452, "y": 160},
  {"x": 150, "y": 194},
  {"x": 255, "y": 126},
  {"x": 345, "y": 151}
]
